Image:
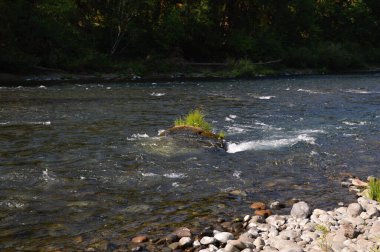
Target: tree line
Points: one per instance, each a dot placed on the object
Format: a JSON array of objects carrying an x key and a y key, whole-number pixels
[{"x": 102, "y": 34}]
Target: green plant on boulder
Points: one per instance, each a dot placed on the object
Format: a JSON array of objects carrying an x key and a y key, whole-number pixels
[
  {"x": 196, "y": 118},
  {"x": 374, "y": 189}
]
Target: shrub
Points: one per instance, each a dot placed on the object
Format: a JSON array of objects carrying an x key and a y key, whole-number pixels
[{"x": 374, "y": 189}]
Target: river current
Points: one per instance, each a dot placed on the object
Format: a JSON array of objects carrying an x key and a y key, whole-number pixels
[{"x": 83, "y": 163}]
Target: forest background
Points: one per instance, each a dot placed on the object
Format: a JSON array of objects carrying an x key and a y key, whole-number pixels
[{"x": 158, "y": 36}]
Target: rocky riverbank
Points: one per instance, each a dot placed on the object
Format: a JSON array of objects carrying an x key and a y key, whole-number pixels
[{"x": 355, "y": 227}]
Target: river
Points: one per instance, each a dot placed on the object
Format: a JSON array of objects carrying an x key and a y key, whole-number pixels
[{"x": 82, "y": 163}]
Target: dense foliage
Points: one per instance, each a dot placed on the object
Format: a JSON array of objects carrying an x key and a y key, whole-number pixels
[{"x": 105, "y": 34}]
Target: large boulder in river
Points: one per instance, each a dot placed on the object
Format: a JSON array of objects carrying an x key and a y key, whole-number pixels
[{"x": 195, "y": 136}]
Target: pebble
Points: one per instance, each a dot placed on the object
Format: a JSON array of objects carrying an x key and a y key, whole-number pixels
[
  {"x": 258, "y": 206},
  {"x": 140, "y": 239},
  {"x": 223, "y": 237},
  {"x": 206, "y": 240},
  {"x": 182, "y": 232}
]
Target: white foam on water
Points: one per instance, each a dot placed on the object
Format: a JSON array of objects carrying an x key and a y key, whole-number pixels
[
  {"x": 309, "y": 91},
  {"x": 358, "y": 91},
  {"x": 265, "y": 97},
  {"x": 149, "y": 174},
  {"x": 269, "y": 144},
  {"x": 235, "y": 130},
  {"x": 232, "y": 116},
  {"x": 47, "y": 123},
  {"x": 174, "y": 175},
  {"x": 160, "y": 131},
  {"x": 157, "y": 94},
  {"x": 138, "y": 135},
  {"x": 175, "y": 184},
  {"x": 46, "y": 176},
  {"x": 311, "y": 131},
  {"x": 236, "y": 174},
  {"x": 42, "y": 87},
  {"x": 354, "y": 123},
  {"x": 227, "y": 119}
]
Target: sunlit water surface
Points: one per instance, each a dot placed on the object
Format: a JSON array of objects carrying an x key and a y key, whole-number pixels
[{"x": 82, "y": 163}]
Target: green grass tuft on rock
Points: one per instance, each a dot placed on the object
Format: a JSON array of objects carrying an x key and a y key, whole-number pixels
[
  {"x": 374, "y": 189},
  {"x": 196, "y": 118}
]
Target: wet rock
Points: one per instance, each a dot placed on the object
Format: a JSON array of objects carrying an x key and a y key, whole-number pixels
[
  {"x": 140, "y": 239},
  {"x": 223, "y": 237},
  {"x": 195, "y": 136},
  {"x": 182, "y": 232},
  {"x": 258, "y": 206},
  {"x": 300, "y": 210},
  {"x": 263, "y": 213}
]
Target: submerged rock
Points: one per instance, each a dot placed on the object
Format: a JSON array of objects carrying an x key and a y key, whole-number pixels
[{"x": 195, "y": 136}]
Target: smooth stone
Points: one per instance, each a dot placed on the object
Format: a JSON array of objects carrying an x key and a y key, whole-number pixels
[
  {"x": 231, "y": 248},
  {"x": 374, "y": 232},
  {"x": 259, "y": 243},
  {"x": 140, "y": 239},
  {"x": 258, "y": 206},
  {"x": 237, "y": 244},
  {"x": 300, "y": 210},
  {"x": 223, "y": 237},
  {"x": 257, "y": 219},
  {"x": 206, "y": 240},
  {"x": 182, "y": 232},
  {"x": 196, "y": 244},
  {"x": 354, "y": 209},
  {"x": 276, "y": 220},
  {"x": 185, "y": 241}
]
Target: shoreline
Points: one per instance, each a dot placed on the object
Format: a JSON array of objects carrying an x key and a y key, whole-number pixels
[
  {"x": 54, "y": 78},
  {"x": 349, "y": 228}
]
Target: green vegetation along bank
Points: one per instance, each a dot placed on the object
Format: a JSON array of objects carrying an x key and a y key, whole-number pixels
[{"x": 155, "y": 37}]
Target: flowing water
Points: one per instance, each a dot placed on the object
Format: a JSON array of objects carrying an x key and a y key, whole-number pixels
[{"x": 81, "y": 164}]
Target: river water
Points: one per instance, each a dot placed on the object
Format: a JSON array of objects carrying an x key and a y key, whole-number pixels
[{"x": 82, "y": 163}]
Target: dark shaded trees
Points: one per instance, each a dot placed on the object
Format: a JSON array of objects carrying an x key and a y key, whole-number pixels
[{"x": 95, "y": 34}]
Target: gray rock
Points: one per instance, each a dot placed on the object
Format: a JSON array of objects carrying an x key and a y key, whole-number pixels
[
  {"x": 196, "y": 244},
  {"x": 300, "y": 210},
  {"x": 354, "y": 209},
  {"x": 374, "y": 232},
  {"x": 206, "y": 240},
  {"x": 182, "y": 232},
  {"x": 223, "y": 237},
  {"x": 259, "y": 243},
  {"x": 231, "y": 248},
  {"x": 185, "y": 241}
]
